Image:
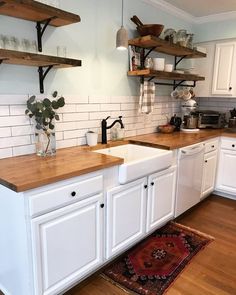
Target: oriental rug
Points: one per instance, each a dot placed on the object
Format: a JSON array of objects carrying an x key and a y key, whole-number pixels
[{"x": 151, "y": 266}]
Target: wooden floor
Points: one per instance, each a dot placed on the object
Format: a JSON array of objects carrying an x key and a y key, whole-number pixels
[{"x": 211, "y": 272}]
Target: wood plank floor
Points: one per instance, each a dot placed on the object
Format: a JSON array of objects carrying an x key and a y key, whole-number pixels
[{"x": 211, "y": 272}]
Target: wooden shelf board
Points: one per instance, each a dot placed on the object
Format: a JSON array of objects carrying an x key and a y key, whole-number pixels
[
  {"x": 34, "y": 59},
  {"x": 165, "y": 47},
  {"x": 36, "y": 11},
  {"x": 165, "y": 75}
]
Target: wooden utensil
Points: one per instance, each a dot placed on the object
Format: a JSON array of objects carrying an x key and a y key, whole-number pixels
[{"x": 137, "y": 21}]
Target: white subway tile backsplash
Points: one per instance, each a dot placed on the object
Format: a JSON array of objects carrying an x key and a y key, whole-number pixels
[
  {"x": 110, "y": 107},
  {"x": 5, "y": 153},
  {"x": 71, "y": 117},
  {"x": 13, "y": 121},
  {"x": 80, "y": 114},
  {"x": 14, "y": 141},
  {"x": 22, "y": 130},
  {"x": 4, "y": 110},
  {"x": 5, "y": 132},
  {"x": 17, "y": 110},
  {"x": 23, "y": 150}
]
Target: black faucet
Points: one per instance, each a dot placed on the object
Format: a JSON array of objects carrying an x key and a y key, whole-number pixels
[{"x": 105, "y": 127}]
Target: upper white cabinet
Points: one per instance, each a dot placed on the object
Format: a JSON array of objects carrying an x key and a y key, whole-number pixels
[
  {"x": 218, "y": 68},
  {"x": 224, "y": 73}
]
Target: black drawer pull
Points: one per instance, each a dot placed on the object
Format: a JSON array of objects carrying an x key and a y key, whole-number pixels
[
  {"x": 102, "y": 205},
  {"x": 145, "y": 186},
  {"x": 213, "y": 146},
  {"x": 230, "y": 88},
  {"x": 233, "y": 145},
  {"x": 73, "y": 194},
  {"x": 152, "y": 183}
]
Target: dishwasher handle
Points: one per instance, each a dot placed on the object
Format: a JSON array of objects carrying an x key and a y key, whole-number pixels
[{"x": 192, "y": 151}]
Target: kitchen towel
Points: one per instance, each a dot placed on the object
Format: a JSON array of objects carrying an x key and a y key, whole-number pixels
[{"x": 147, "y": 96}]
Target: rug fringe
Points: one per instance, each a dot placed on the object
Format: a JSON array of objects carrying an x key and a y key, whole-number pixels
[
  {"x": 128, "y": 291},
  {"x": 194, "y": 230}
]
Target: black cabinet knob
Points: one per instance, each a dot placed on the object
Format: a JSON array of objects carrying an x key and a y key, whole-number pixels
[
  {"x": 233, "y": 145},
  {"x": 73, "y": 194},
  {"x": 152, "y": 183},
  {"x": 102, "y": 205},
  {"x": 145, "y": 186},
  {"x": 230, "y": 88},
  {"x": 213, "y": 146},
  {"x": 205, "y": 161}
]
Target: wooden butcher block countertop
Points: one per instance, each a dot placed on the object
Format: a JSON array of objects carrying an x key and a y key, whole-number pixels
[
  {"x": 27, "y": 172},
  {"x": 178, "y": 140}
]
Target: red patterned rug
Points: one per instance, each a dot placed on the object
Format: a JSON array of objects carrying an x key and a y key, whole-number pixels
[{"x": 150, "y": 267}]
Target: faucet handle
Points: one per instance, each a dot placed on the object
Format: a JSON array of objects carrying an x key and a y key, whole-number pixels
[
  {"x": 120, "y": 117},
  {"x": 107, "y": 118}
]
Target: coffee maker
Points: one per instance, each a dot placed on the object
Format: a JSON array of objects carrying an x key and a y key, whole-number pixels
[{"x": 189, "y": 115}]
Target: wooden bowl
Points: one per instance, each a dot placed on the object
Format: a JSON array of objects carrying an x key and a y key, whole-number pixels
[
  {"x": 154, "y": 30},
  {"x": 166, "y": 128}
]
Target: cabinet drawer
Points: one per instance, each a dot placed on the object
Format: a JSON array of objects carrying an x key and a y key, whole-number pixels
[
  {"x": 58, "y": 197},
  {"x": 228, "y": 143},
  {"x": 211, "y": 146}
]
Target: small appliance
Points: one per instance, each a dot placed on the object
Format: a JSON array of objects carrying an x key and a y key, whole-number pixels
[{"x": 211, "y": 119}]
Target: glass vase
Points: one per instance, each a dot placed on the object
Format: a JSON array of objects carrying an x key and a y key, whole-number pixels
[{"x": 45, "y": 140}]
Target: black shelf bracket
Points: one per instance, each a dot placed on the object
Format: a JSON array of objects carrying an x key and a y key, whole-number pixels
[
  {"x": 175, "y": 85},
  {"x": 42, "y": 75},
  {"x": 177, "y": 61},
  {"x": 41, "y": 29}
]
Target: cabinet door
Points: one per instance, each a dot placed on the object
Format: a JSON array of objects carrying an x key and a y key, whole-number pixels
[
  {"x": 67, "y": 244},
  {"x": 126, "y": 215},
  {"x": 224, "y": 69},
  {"x": 226, "y": 179},
  {"x": 161, "y": 198},
  {"x": 209, "y": 173}
]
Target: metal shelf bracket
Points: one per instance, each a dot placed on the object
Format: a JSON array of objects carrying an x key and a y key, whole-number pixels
[
  {"x": 42, "y": 75},
  {"x": 41, "y": 30}
]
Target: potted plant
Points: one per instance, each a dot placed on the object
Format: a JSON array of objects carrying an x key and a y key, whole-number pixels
[{"x": 44, "y": 114}]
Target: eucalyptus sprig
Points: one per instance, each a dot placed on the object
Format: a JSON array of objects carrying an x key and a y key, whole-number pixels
[{"x": 44, "y": 111}]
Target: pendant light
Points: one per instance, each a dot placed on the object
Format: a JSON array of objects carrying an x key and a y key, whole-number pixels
[{"x": 122, "y": 35}]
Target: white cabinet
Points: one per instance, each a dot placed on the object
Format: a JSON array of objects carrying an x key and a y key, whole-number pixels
[
  {"x": 126, "y": 215},
  {"x": 226, "y": 177},
  {"x": 209, "y": 173},
  {"x": 224, "y": 73},
  {"x": 137, "y": 208},
  {"x": 67, "y": 245},
  {"x": 218, "y": 68},
  {"x": 161, "y": 197}
]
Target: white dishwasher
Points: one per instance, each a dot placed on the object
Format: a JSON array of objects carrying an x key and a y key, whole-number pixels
[{"x": 190, "y": 168}]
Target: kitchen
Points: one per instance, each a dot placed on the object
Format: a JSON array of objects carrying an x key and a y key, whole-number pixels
[{"x": 98, "y": 89}]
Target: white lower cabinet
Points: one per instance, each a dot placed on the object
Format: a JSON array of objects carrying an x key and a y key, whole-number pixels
[
  {"x": 67, "y": 244},
  {"x": 209, "y": 173},
  {"x": 161, "y": 198},
  {"x": 136, "y": 208},
  {"x": 126, "y": 215},
  {"x": 226, "y": 178}
]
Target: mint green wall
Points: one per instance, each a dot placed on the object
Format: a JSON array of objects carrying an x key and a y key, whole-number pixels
[
  {"x": 93, "y": 41},
  {"x": 216, "y": 30}
]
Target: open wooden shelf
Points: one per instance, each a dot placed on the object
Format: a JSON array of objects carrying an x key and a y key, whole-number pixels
[
  {"x": 38, "y": 12},
  {"x": 165, "y": 47},
  {"x": 37, "y": 60},
  {"x": 165, "y": 75}
]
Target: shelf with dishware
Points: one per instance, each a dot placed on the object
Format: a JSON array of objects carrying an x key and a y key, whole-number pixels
[
  {"x": 159, "y": 45},
  {"x": 152, "y": 43},
  {"x": 43, "y": 62},
  {"x": 43, "y": 15}
]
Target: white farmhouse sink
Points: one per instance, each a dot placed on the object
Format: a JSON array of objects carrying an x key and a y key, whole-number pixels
[{"x": 139, "y": 160}]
